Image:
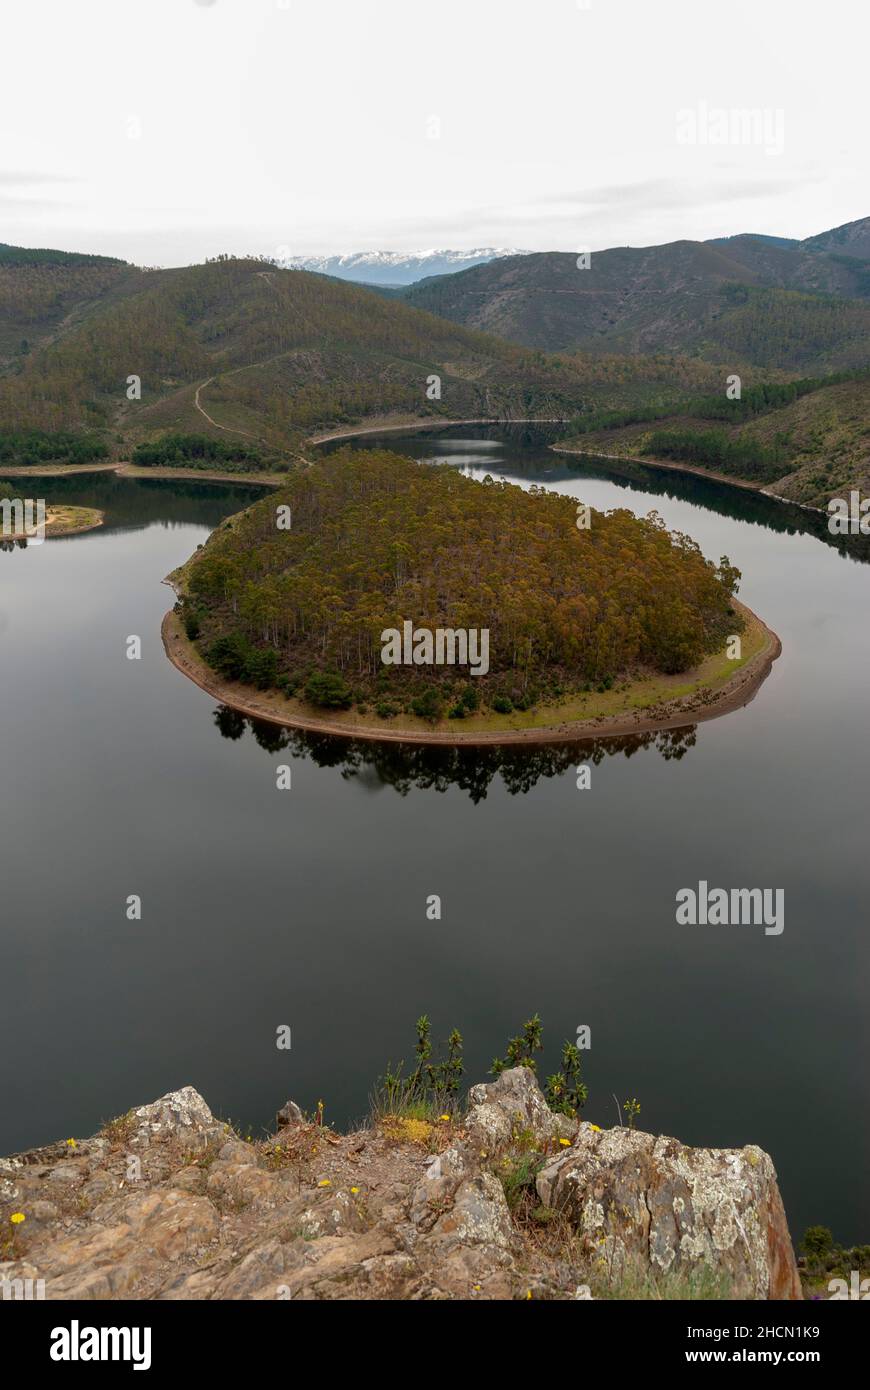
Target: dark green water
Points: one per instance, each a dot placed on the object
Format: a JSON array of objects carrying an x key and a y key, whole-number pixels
[{"x": 307, "y": 907}]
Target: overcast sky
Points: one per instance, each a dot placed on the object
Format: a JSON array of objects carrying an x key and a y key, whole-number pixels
[{"x": 167, "y": 130}]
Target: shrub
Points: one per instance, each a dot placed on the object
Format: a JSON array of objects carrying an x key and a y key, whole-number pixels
[
  {"x": 229, "y": 655},
  {"x": 329, "y": 690},
  {"x": 818, "y": 1241},
  {"x": 432, "y": 1087},
  {"x": 427, "y": 705},
  {"x": 502, "y": 704},
  {"x": 261, "y": 667},
  {"x": 566, "y": 1093}
]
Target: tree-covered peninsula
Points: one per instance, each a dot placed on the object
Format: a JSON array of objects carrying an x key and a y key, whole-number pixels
[{"x": 301, "y": 592}]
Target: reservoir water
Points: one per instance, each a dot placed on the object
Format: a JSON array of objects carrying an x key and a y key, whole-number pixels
[{"x": 307, "y": 908}]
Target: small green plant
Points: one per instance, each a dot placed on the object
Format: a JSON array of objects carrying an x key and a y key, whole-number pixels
[
  {"x": 632, "y": 1110},
  {"x": 824, "y": 1258},
  {"x": 521, "y": 1049},
  {"x": 517, "y": 1173},
  {"x": 433, "y": 1085},
  {"x": 565, "y": 1091}
]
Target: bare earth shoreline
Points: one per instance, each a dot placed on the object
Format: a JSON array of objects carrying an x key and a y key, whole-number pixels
[{"x": 736, "y": 692}]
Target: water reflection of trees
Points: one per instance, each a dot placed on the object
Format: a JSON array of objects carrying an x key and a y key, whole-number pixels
[
  {"x": 408, "y": 767},
  {"x": 135, "y": 503}
]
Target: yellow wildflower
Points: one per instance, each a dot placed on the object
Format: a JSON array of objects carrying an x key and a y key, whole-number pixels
[
  {"x": 17, "y": 1217},
  {"x": 566, "y": 1143},
  {"x": 71, "y": 1143},
  {"x": 324, "y": 1182},
  {"x": 354, "y": 1190}
]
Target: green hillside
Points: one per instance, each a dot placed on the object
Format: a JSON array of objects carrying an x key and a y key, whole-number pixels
[
  {"x": 273, "y": 353},
  {"x": 240, "y": 350},
  {"x": 807, "y": 442},
  {"x": 746, "y": 301},
  {"x": 39, "y": 289},
  {"x": 239, "y": 361}
]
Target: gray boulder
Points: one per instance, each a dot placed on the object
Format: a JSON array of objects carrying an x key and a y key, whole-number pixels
[{"x": 654, "y": 1206}]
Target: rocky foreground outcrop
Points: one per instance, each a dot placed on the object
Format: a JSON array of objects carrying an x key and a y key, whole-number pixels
[{"x": 510, "y": 1202}]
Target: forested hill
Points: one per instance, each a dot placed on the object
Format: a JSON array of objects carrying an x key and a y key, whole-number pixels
[
  {"x": 801, "y": 307},
  {"x": 281, "y": 350},
  {"x": 377, "y": 540},
  {"x": 235, "y": 362},
  {"x": 39, "y": 288},
  {"x": 807, "y": 440}
]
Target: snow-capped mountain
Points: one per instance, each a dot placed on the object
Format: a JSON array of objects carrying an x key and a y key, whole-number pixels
[{"x": 397, "y": 267}]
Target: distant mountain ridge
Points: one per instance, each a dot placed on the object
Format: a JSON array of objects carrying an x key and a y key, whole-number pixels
[
  {"x": 255, "y": 358},
  {"x": 751, "y": 300},
  {"x": 397, "y": 267}
]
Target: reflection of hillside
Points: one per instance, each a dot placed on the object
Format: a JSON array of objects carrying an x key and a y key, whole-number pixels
[
  {"x": 136, "y": 503},
  {"x": 742, "y": 504},
  {"x": 407, "y": 767}
]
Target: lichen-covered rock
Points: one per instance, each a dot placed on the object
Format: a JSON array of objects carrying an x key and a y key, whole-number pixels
[
  {"x": 458, "y": 1203},
  {"x": 181, "y": 1114},
  {"x": 167, "y": 1203},
  {"x": 654, "y": 1205},
  {"x": 511, "y": 1104}
]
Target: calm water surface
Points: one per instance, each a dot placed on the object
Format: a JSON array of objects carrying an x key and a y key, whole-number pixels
[{"x": 307, "y": 907}]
